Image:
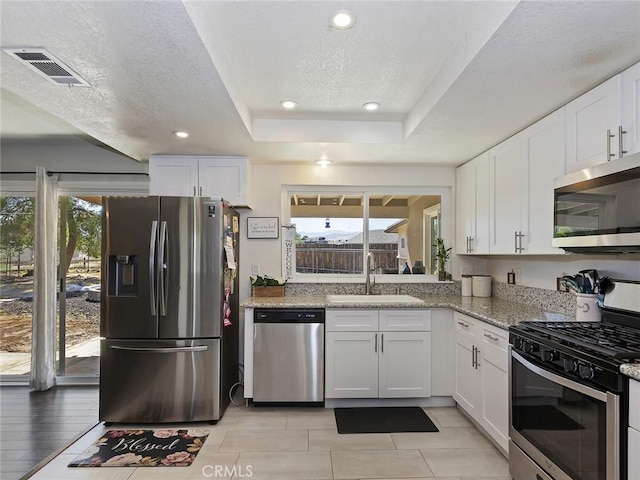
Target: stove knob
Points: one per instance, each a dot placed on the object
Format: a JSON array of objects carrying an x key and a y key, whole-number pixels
[
  {"x": 586, "y": 372},
  {"x": 549, "y": 355},
  {"x": 569, "y": 365},
  {"x": 530, "y": 347}
]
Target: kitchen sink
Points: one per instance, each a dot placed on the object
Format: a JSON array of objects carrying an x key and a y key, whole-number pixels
[{"x": 373, "y": 299}]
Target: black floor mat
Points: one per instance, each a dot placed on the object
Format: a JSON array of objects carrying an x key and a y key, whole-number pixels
[
  {"x": 383, "y": 420},
  {"x": 543, "y": 417}
]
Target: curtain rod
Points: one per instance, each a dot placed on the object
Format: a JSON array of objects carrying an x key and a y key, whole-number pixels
[{"x": 76, "y": 173}]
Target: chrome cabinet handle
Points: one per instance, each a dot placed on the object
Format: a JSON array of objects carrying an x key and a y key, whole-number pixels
[
  {"x": 621, "y": 132},
  {"x": 517, "y": 239},
  {"x": 382, "y": 343},
  {"x": 491, "y": 337},
  {"x": 462, "y": 324},
  {"x": 152, "y": 261},
  {"x": 470, "y": 244},
  {"x": 200, "y": 191},
  {"x": 609, "y": 137},
  {"x": 375, "y": 345},
  {"x": 194, "y": 190}
]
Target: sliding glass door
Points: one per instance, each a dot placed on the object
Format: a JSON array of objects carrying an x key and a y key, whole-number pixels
[
  {"x": 79, "y": 245},
  {"x": 17, "y": 227}
]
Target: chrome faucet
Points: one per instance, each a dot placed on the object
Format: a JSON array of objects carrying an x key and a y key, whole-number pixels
[{"x": 371, "y": 265}]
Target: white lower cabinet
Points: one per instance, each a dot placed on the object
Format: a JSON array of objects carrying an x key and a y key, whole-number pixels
[
  {"x": 377, "y": 353},
  {"x": 481, "y": 375},
  {"x": 633, "y": 460}
]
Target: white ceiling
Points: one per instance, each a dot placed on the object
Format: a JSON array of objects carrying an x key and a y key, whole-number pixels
[{"x": 454, "y": 78}]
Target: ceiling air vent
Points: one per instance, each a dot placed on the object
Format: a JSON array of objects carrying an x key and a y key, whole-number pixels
[{"x": 47, "y": 65}]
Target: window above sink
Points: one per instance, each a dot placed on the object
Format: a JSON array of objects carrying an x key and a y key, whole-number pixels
[{"x": 336, "y": 227}]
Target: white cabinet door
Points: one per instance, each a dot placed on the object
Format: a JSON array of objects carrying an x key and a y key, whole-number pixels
[
  {"x": 630, "y": 109},
  {"x": 173, "y": 176},
  {"x": 588, "y": 119},
  {"x": 405, "y": 320},
  {"x": 634, "y": 456},
  {"x": 468, "y": 380},
  {"x": 351, "y": 365},
  {"x": 545, "y": 162},
  {"x": 508, "y": 191},
  {"x": 224, "y": 177},
  {"x": 495, "y": 395},
  {"x": 472, "y": 184},
  {"x": 404, "y": 364}
]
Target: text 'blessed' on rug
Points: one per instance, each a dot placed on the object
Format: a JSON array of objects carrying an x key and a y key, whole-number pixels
[{"x": 143, "y": 448}]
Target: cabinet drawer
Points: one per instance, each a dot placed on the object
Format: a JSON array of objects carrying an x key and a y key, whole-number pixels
[
  {"x": 351, "y": 320},
  {"x": 465, "y": 325},
  {"x": 634, "y": 404},
  {"x": 495, "y": 337},
  {"x": 405, "y": 320}
]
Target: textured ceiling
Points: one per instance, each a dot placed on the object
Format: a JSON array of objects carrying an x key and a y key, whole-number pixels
[{"x": 454, "y": 78}]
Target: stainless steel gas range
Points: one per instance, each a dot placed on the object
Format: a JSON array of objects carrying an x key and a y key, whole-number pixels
[{"x": 569, "y": 402}]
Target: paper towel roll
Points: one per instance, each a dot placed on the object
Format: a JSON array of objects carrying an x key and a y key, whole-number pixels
[{"x": 481, "y": 285}]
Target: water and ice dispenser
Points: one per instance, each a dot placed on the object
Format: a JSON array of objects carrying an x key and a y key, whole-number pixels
[{"x": 123, "y": 275}]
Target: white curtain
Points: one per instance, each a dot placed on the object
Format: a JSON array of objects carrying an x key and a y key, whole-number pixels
[{"x": 43, "y": 343}]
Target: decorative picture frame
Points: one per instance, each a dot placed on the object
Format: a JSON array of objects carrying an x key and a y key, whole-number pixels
[{"x": 263, "y": 227}]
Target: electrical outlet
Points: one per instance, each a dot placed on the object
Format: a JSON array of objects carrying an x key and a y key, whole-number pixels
[
  {"x": 255, "y": 269},
  {"x": 518, "y": 275}
]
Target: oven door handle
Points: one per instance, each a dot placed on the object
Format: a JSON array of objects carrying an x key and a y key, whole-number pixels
[
  {"x": 611, "y": 400},
  {"x": 565, "y": 382}
]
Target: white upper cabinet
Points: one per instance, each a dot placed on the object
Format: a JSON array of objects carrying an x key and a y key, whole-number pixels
[
  {"x": 473, "y": 206},
  {"x": 173, "y": 176},
  {"x": 508, "y": 187},
  {"x": 226, "y": 177},
  {"x": 522, "y": 170},
  {"x": 592, "y": 126},
  {"x": 630, "y": 109},
  {"x": 545, "y": 161}
]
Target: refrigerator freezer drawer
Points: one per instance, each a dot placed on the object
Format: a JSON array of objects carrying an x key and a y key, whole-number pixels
[{"x": 155, "y": 381}]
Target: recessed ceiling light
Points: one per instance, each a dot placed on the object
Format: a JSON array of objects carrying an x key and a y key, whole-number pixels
[
  {"x": 342, "y": 20},
  {"x": 371, "y": 106},
  {"x": 180, "y": 134},
  {"x": 323, "y": 162},
  {"x": 289, "y": 104}
]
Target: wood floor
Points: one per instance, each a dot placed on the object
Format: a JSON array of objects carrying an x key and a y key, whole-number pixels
[{"x": 33, "y": 425}]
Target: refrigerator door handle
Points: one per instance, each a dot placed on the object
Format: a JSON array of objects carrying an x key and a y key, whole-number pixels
[
  {"x": 163, "y": 268},
  {"x": 201, "y": 348},
  {"x": 152, "y": 261}
]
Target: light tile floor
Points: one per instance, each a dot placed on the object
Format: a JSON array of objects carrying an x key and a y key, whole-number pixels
[{"x": 303, "y": 444}]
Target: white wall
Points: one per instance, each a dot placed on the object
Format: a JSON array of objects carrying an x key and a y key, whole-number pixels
[
  {"x": 541, "y": 271},
  {"x": 269, "y": 201}
]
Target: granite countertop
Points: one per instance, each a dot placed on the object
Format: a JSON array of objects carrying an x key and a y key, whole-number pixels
[
  {"x": 495, "y": 311},
  {"x": 499, "y": 312},
  {"x": 631, "y": 370}
]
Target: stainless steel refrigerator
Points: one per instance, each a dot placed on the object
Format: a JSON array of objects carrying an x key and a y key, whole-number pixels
[{"x": 169, "y": 316}]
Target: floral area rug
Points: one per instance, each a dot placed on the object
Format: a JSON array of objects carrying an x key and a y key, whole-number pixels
[{"x": 143, "y": 448}]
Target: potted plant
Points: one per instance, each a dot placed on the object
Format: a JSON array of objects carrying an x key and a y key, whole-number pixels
[
  {"x": 266, "y": 286},
  {"x": 442, "y": 255}
]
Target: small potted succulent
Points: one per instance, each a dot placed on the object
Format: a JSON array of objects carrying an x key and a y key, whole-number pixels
[
  {"x": 442, "y": 255},
  {"x": 266, "y": 286}
]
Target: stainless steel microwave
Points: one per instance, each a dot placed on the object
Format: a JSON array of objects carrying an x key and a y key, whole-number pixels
[{"x": 597, "y": 210}]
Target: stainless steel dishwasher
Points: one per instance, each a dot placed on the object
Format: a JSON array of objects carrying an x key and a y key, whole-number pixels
[{"x": 288, "y": 355}]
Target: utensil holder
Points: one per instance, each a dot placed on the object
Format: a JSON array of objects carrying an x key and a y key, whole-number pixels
[{"x": 587, "y": 309}]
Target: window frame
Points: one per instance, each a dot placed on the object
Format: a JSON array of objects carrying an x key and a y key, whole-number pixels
[{"x": 446, "y": 223}]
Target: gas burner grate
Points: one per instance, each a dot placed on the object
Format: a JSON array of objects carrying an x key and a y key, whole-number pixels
[{"x": 608, "y": 340}]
